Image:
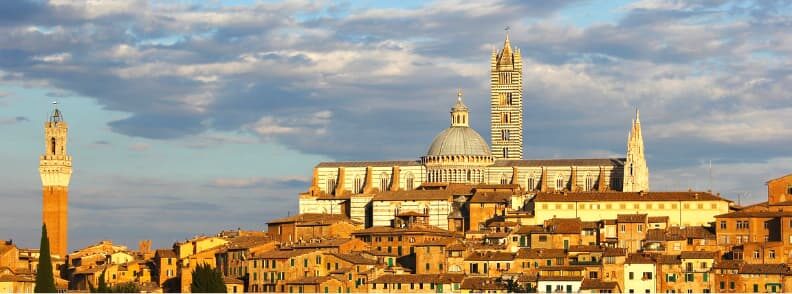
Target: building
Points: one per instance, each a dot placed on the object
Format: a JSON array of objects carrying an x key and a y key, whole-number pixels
[
  {"x": 306, "y": 226},
  {"x": 681, "y": 208},
  {"x": 459, "y": 154},
  {"x": 55, "y": 168}
]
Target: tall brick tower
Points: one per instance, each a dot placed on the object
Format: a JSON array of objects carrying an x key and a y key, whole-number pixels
[
  {"x": 55, "y": 168},
  {"x": 506, "y": 102}
]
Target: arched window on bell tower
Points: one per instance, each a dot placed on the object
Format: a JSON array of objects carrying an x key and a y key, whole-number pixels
[{"x": 53, "y": 144}]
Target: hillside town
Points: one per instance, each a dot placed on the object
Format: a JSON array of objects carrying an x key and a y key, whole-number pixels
[
  {"x": 465, "y": 217},
  {"x": 640, "y": 248}
]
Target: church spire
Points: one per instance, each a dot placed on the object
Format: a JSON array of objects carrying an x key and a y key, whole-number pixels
[{"x": 636, "y": 171}]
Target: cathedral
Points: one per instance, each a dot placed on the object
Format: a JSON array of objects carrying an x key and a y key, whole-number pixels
[{"x": 460, "y": 156}]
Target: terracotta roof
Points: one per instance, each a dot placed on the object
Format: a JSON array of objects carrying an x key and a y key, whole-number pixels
[
  {"x": 597, "y": 284},
  {"x": 759, "y": 214},
  {"x": 439, "y": 242},
  {"x": 306, "y": 219},
  {"x": 490, "y": 256},
  {"x": 424, "y": 278},
  {"x": 414, "y": 230},
  {"x": 491, "y": 197},
  {"x": 625, "y": 196},
  {"x": 282, "y": 254},
  {"x": 699, "y": 255},
  {"x": 631, "y": 218},
  {"x": 562, "y": 162},
  {"x": 563, "y": 226},
  {"x": 560, "y": 278},
  {"x": 585, "y": 248},
  {"x": 247, "y": 242},
  {"x": 413, "y": 195},
  {"x": 782, "y": 203},
  {"x": 527, "y": 229},
  {"x": 637, "y": 258},
  {"x": 321, "y": 243},
  {"x": 668, "y": 259},
  {"x": 678, "y": 234},
  {"x": 658, "y": 219},
  {"x": 771, "y": 269},
  {"x": 354, "y": 258},
  {"x": 728, "y": 264},
  {"x": 535, "y": 253},
  {"x": 483, "y": 284},
  {"x": 383, "y": 163},
  {"x": 309, "y": 280}
]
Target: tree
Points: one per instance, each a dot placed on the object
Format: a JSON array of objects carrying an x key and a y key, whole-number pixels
[
  {"x": 103, "y": 288},
  {"x": 207, "y": 280},
  {"x": 45, "y": 281},
  {"x": 126, "y": 288}
]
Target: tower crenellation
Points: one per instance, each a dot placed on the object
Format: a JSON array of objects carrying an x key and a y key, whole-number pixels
[{"x": 55, "y": 169}]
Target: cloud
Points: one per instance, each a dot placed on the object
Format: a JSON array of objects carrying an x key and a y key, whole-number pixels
[
  {"x": 712, "y": 79},
  {"x": 13, "y": 120},
  {"x": 261, "y": 182},
  {"x": 140, "y": 147}
]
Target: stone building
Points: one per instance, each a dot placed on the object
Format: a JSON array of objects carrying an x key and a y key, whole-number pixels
[
  {"x": 459, "y": 154},
  {"x": 55, "y": 168}
]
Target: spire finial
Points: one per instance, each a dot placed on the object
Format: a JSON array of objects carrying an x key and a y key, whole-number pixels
[
  {"x": 459, "y": 94},
  {"x": 637, "y": 115}
]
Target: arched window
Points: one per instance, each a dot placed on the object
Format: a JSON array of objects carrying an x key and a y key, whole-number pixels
[
  {"x": 409, "y": 179},
  {"x": 559, "y": 183},
  {"x": 504, "y": 180},
  {"x": 589, "y": 182},
  {"x": 505, "y": 135},
  {"x": 454, "y": 268},
  {"x": 531, "y": 183},
  {"x": 358, "y": 185},
  {"x": 509, "y": 100},
  {"x": 505, "y": 152},
  {"x": 384, "y": 181},
  {"x": 53, "y": 145},
  {"x": 505, "y": 117},
  {"x": 330, "y": 186}
]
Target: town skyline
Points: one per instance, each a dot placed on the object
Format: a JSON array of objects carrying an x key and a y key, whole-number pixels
[{"x": 219, "y": 155}]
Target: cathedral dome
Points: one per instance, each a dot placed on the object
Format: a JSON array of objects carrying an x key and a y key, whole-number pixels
[{"x": 458, "y": 140}]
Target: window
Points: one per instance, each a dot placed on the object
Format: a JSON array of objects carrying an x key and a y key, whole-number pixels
[
  {"x": 559, "y": 183},
  {"x": 723, "y": 225},
  {"x": 640, "y": 227},
  {"x": 689, "y": 277},
  {"x": 358, "y": 185},
  {"x": 384, "y": 181},
  {"x": 756, "y": 254},
  {"x": 646, "y": 276},
  {"x": 505, "y": 152},
  {"x": 505, "y": 135},
  {"x": 542, "y": 238},
  {"x": 772, "y": 254},
  {"x": 623, "y": 228},
  {"x": 632, "y": 276},
  {"x": 409, "y": 181},
  {"x": 589, "y": 183},
  {"x": 722, "y": 284},
  {"x": 789, "y": 189}
]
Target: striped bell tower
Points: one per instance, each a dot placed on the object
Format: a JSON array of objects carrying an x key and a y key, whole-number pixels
[
  {"x": 506, "y": 104},
  {"x": 55, "y": 169}
]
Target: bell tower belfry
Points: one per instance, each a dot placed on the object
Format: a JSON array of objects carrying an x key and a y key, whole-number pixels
[
  {"x": 506, "y": 106},
  {"x": 55, "y": 169}
]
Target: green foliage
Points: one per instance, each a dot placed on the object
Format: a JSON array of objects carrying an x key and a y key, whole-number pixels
[
  {"x": 126, "y": 288},
  {"x": 103, "y": 288},
  {"x": 207, "y": 280},
  {"x": 45, "y": 281}
]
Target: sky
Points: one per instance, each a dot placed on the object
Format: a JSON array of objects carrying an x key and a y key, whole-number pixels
[{"x": 190, "y": 117}]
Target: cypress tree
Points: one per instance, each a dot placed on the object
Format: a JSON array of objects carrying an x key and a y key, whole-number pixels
[
  {"x": 103, "y": 288},
  {"x": 45, "y": 281},
  {"x": 207, "y": 280}
]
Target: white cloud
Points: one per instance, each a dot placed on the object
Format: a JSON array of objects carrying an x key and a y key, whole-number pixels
[{"x": 54, "y": 58}]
